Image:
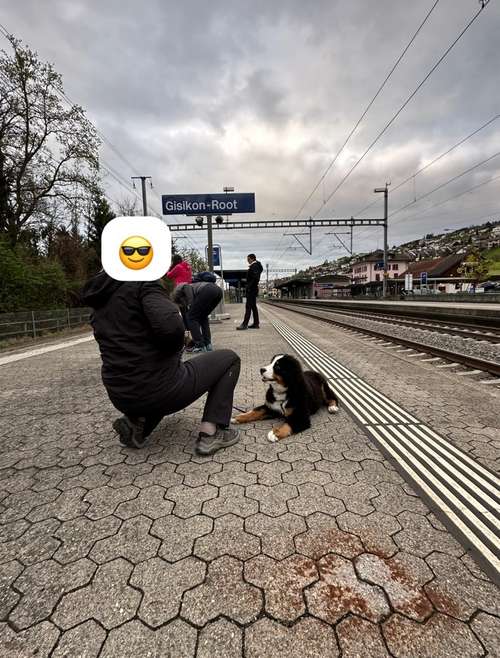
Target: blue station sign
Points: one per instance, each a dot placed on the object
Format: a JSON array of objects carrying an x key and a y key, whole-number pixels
[{"x": 207, "y": 204}]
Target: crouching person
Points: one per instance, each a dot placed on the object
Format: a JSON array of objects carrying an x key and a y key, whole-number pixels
[
  {"x": 140, "y": 333},
  {"x": 196, "y": 301}
]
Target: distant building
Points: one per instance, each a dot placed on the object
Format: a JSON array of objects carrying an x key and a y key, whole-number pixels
[
  {"x": 367, "y": 273},
  {"x": 324, "y": 286},
  {"x": 442, "y": 274}
]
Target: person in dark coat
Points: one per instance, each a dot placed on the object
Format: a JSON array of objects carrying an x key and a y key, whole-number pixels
[
  {"x": 252, "y": 291},
  {"x": 140, "y": 333},
  {"x": 196, "y": 301}
]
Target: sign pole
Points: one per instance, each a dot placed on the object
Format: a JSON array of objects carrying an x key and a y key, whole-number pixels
[{"x": 210, "y": 244}]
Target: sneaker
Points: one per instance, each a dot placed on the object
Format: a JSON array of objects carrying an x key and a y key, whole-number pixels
[
  {"x": 242, "y": 327},
  {"x": 209, "y": 347},
  {"x": 196, "y": 350},
  {"x": 130, "y": 432},
  {"x": 253, "y": 326},
  {"x": 223, "y": 438}
]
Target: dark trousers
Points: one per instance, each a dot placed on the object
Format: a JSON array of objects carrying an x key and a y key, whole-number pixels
[
  {"x": 215, "y": 373},
  {"x": 251, "y": 308},
  {"x": 197, "y": 316}
]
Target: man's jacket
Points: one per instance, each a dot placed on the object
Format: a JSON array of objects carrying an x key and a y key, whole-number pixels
[{"x": 253, "y": 277}]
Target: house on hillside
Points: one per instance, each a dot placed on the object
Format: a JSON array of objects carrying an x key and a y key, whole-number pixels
[
  {"x": 367, "y": 271},
  {"x": 442, "y": 274}
]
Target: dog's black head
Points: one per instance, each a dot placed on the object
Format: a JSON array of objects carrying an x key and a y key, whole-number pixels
[{"x": 283, "y": 370}]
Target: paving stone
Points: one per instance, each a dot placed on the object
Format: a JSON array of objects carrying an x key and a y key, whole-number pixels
[
  {"x": 108, "y": 599},
  {"x": 36, "y": 641},
  {"x": 79, "y": 535},
  {"x": 19, "y": 505},
  {"x": 374, "y": 531},
  {"x": 263, "y": 450},
  {"x": 121, "y": 475},
  {"x": 104, "y": 500},
  {"x": 487, "y": 629},
  {"x": 376, "y": 472},
  {"x": 223, "y": 593},
  {"x": 439, "y": 637},
  {"x": 456, "y": 592},
  {"x": 233, "y": 473},
  {"x": 343, "y": 471},
  {"x": 402, "y": 577},
  {"x": 220, "y": 639},
  {"x": 356, "y": 497},
  {"x": 312, "y": 498},
  {"x": 178, "y": 535},
  {"x": 231, "y": 500},
  {"x": 276, "y": 533},
  {"x": 8, "y": 597},
  {"x": 419, "y": 537},
  {"x": 163, "y": 475},
  {"x": 339, "y": 591},
  {"x": 196, "y": 475},
  {"x": 42, "y": 586},
  {"x": 324, "y": 536},
  {"x": 150, "y": 502},
  {"x": 90, "y": 478},
  {"x": 360, "y": 638},
  {"x": 227, "y": 538},
  {"x": 34, "y": 545},
  {"x": 84, "y": 641},
  {"x": 393, "y": 499},
  {"x": 132, "y": 542},
  {"x": 18, "y": 481},
  {"x": 189, "y": 500},
  {"x": 236, "y": 453},
  {"x": 269, "y": 473},
  {"x": 308, "y": 638},
  {"x": 272, "y": 500},
  {"x": 306, "y": 473},
  {"x": 163, "y": 585},
  {"x": 296, "y": 452},
  {"x": 282, "y": 583},
  {"x": 68, "y": 505},
  {"x": 133, "y": 639}
]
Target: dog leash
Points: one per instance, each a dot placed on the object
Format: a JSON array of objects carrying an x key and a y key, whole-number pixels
[{"x": 238, "y": 409}]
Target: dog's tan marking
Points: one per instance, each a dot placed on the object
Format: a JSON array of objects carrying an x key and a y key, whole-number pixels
[
  {"x": 283, "y": 431},
  {"x": 250, "y": 416},
  {"x": 287, "y": 411}
]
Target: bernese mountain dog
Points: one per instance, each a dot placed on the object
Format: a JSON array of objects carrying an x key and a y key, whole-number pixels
[{"x": 293, "y": 394}]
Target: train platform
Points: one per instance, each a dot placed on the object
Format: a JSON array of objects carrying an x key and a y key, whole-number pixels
[{"x": 370, "y": 535}]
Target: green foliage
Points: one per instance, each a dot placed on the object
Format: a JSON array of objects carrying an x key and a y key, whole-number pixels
[
  {"x": 193, "y": 257},
  {"x": 474, "y": 267}
]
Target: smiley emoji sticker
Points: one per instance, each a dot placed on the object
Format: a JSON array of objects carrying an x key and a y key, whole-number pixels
[{"x": 136, "y": 252}]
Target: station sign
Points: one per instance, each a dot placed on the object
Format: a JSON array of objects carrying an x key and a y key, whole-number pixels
[
  {"x": 216, "y": 255},
  {"x": 207, "y": 204}
]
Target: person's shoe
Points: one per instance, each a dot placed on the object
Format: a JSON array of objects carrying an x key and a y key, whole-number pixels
[
  {"x": 242, "y": 327},
  {"x": 253, "y": 326},
  {"x": 196, "y": 350},
  {"x": 209, "y": 347},
  {"x": 130, "y": 432},
  {"x": 223, "y": 438}
]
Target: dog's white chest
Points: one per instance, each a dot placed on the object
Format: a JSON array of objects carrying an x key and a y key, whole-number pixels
[{"x": 279, "y": 402}]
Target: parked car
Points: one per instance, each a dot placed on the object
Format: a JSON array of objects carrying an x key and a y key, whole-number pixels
[{"x": 489, "y": 286}]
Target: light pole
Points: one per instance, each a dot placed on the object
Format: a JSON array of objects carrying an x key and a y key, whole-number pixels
[{"x": 385, "y": 191}]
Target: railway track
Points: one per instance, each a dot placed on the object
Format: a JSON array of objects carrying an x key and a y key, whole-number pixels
[
  {"x": 324, "y": 315},
  {"x": 462, "y": 329}
]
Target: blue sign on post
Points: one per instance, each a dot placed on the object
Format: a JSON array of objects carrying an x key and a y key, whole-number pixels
[
  {"x": 423, "y": 278},
  {"x": 207, "y": 204},
  {"x": 216, "y": 255}
]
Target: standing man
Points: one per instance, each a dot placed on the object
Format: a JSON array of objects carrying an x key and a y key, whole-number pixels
[{"x": 252, "y": 290}]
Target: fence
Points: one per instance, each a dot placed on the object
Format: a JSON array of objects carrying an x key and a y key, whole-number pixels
[{"x": 37, "y": 323}]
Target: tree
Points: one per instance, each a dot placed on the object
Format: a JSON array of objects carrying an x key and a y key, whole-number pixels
[
  {"x": 194, "y": 258},
  {"x": 127, "y": 207},
  {"x": 474, "y": 268},
  {"x": 46, "y": 150},
  {"x": 100, "y": 214}
]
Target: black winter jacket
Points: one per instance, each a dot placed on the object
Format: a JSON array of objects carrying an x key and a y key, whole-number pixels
[
  {"x": 140, "y": 333},
  {"x": 253, "y": 277}
]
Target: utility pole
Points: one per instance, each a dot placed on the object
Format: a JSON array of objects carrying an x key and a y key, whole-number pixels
[
  {"x": 210, "y": 244},
  {"x": 143, "y": 186},
  {"x": 385, "y": 191},
  {"x": 267, "y": 278}
]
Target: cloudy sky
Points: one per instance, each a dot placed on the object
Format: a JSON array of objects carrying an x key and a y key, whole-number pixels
[{"x": 261, "y": 95}]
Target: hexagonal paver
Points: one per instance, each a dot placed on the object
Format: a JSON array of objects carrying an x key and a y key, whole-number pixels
[
  {"x": 282, "y": 583},
  {"x": 176, "y": 639},
  {"x": 402, "y": 577},
  {"x": 342, "y": 472},
  {"x": 34, "y": 545},
  {"x": 487, "y": 629},
  {"x": 121, "y": 475},
  {"x": 272, "y": 500},
  {"x": 132, "y": 541},
  {"x": 43, "y": 584},
  {"x": 227, "y": 538},
  {"x": 79, "y": 535},
  {"x": 339, "y": 591},
  {"x": 270, "y": 473},
  {"x": 150, "y": 502},
  {"x": 263, "y": 451},
  {"x": 220, "y": 639},
  {"x": 178, "y": 535},
  {"x": 8, "y": 597},
  {"x": 312, "y": 498},
  {"x": 419, "y": 537},
  {"x": 374, "y": 530},
  {"x": 189, "y": 500},
  {"x": 276, "y": 533},
  {"x": 18, "y": 505},
  {"x": 233, "y": 473},
  {"x": 231, "y": 500},
  {"x": 456, "y": 592},
  {"x": 38, "y": 640},
  {"x": 308, "y": 638},
  {"x": 303, "y": 472},
  {"x": 356, "y": 497},
  {"x": 223, "y": 593},
  {"x": 324, "y": 536},
  {"x": 376, "y": 472},
  {"x": 297, "y": 452},
  {"x": 90, "y": 478},
  {"x": 108, "y": 599},
  {"x": 163, "y": 475},
  {"x": 439, "y": 637},
  {"x": 84, "y": 641},
  {"x": 195, "y": 475},
  {"x": 393, "y": 499},
  {"x": 163, "y": 585},
  {"x": 104, "y": 500},
  {"x": 68, "y": 505},
  {"x": 359, "y": 638}
]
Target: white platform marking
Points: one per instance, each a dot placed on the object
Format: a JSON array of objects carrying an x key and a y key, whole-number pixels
[{"x": 11, "y": 358}]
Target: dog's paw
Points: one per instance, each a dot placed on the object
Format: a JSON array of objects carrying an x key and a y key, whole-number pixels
[
  {"x": 234, "y": 421},
  {"x": 271, "y": 436},
  {"x": 333, "y": 409}
]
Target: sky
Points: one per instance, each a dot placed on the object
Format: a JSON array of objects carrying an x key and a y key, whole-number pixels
[{"x": 262, "y": 95}]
